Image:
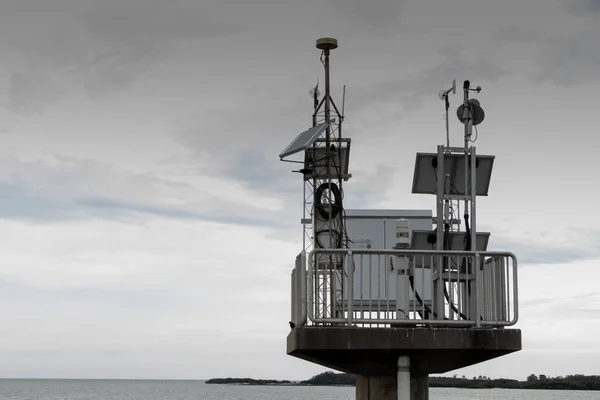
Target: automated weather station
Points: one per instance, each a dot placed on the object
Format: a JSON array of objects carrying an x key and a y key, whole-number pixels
[{"x": 395, "y": 295}]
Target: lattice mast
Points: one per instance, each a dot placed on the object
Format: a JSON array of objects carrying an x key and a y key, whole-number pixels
[
  {"x": 470, "y": 114},
  {"x": 328, "y": 182},
  {"x": 328, "y": 221},
  {"x": 326, "y": 157}
]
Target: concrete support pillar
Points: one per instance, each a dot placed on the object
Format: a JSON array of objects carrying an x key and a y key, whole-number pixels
[
  {"x": 419, "y": 387},
  {"x": 403, "y": 384},
  {"x": 376, "y": 388},
  {"x": 385, "y": 387}
]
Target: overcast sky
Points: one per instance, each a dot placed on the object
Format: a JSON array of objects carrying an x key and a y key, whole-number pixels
[{"x": 148, "y": 228}]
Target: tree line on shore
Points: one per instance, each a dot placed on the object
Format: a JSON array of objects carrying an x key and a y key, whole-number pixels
[
  {"x": 329, "y": 378},
  {"x": 568, "y": 382}
]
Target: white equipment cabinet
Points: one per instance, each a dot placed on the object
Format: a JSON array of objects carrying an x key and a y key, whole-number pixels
[{"x": 376, "y": 229}]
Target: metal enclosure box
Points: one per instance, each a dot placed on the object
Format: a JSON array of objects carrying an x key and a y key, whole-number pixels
[
  {"x": 376, "y": 229},
  {"x": 298, "y": 286}
]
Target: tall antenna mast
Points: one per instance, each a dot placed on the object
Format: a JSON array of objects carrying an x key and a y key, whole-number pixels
[
  {"x": 470, "y": 114},
  {"x": 326, "y": 160},
  {"x": 326, "y": 45},
  {"x": 330, "y": 223}
]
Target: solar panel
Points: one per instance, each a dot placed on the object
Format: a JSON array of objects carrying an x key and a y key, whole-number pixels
[
  {"x": 425, "y": 178},
  {"x": 304, "y": 140}
]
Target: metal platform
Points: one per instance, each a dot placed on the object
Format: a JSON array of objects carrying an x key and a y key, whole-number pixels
[{"x": 375, "y": 351}]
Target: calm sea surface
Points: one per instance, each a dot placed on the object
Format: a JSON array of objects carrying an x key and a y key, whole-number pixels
[{"x": 15, "y": 389}]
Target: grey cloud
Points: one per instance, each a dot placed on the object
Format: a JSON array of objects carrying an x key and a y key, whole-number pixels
[
  {"x": 29, "y": 93},
  {"x": 20, "y": 203},
  {"x": 582, "y": 7},
  {"x": 114, "y": 295},
  {"x": 141, "y": 35},
  {"x": 373, "y": 15},
  {"x": 76, "y": 189},
  {"x": 518, "y": 34},
  {"x": 256, "y": 171},
  {"x": 534, "y": 303},
  {"x": 369, "y": 187},
  {"x": 152, "y": 24},
  {"x": 584, "y": 307},
  {"x": 114, "y": 207},
  {"x": 567, "y": 59},
  {"x": 411, "y": 92},
  {"x": 57, "y": 177},
  {"x": 106, "y": 46},
  {"x": 242, "y": 143},
  {"x": 570, "y": 60},
  {"x": 531, "y": 252}
]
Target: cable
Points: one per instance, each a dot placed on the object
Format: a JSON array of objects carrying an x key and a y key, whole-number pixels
[
  {"x": 420, "y": 300},
  {"x": 476, "y": 134},
  {"x": 474, "y": 126},
  {"x": 335, "y": 208},
  {"x": 336, "y": 235},
  {"x": 468, "y": 244}
]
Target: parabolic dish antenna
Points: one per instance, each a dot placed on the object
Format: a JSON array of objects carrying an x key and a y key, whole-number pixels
[{"x": 476, "y": 112}]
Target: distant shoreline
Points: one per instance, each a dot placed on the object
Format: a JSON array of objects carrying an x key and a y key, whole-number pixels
[
  {"x": 569, "y": 382},
  {"x": 268, "y": 382}
]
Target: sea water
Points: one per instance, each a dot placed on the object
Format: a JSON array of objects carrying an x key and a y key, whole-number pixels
[{"x": 24, "y": 389}]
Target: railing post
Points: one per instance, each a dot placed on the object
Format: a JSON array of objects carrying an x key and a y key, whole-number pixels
[
  {"x": 303, "y": 288},
  {"x": 438, "y": 292},
  {"x": 476, "y": 287},
  {"x": 402, "y": 287},
  {"x": 310, "y": 287},
  {"x": 515, "y": 285},
  {"x": 349, "y": 268}
]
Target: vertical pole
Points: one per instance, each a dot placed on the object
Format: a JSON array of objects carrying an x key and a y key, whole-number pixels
[
  {"x": 302, "y": 288},
  {"x": 467, "y": 120},
  {"x": 473, "y": 198},
  {"x": 315, "y": 104},
  {"x": 330, "y": 264},
  {"x": 303, "y": 213},
  {"x": 349, "y": 268},
  {"x": 314, "y": 123},
  {"x": 477, "y": 294},
  {"x": 446, "y": 260},
  {"x": 328, "y": 141},
  {"x": 440, "y": 174},
  {"x": 402, "y": 288},
  {"x": 438, "y": 295},
  {"x": 476, "y": 260},
  {"x": 447, "y": 103},
  {"x": 403, "y": 387},
  {"x": 328, "y": 131}
]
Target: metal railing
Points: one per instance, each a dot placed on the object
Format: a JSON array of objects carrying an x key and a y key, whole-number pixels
[{"x": 379, "y": 288}]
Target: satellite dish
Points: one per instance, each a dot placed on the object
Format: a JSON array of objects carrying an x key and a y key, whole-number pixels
[{"x": 475, "y": 112}]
